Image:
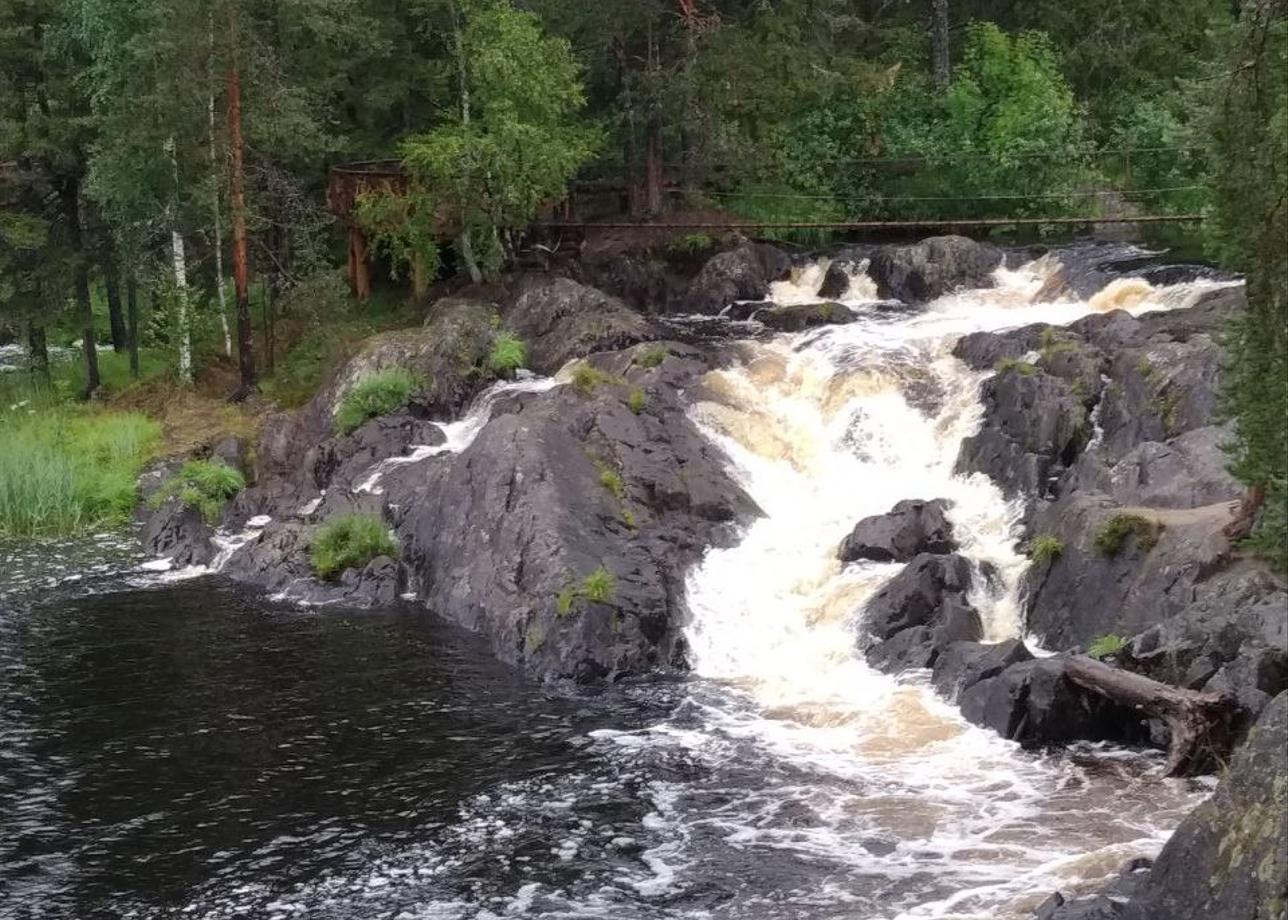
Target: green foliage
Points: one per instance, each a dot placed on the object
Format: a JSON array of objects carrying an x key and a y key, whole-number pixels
[
  {"x": 515, "y": 144},
  {"x": 376, "y": 394},
  {"x": 1046, "y": 548},
  {"x": 1110, "y": 646},
  {"x": 1249, "y": 132},
  {"x": 1023, "y": 368},
  {"x": 534, "y": 638},
  {"x": 205, "y": 485},
  {"x": 402, "y": 228},
  {"x": 587, "y": 378},
  {"x": 780, "y": 204},
  {"x": 1114, "y": 533},
  {"x": 64, "y": 473},
  {"x": 611, "y": 480},
  {"x": 509, "y": 353},
  {"x": 599, "y": 587},
  {"x": 636, "y": 400},
  {"x": 652, "y": 356},
  {"x": 350, "y": 541},
  {"x": 690, "y": 243}
]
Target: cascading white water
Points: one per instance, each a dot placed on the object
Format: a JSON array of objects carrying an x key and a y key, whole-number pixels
[{"x": 822, "y": 429}]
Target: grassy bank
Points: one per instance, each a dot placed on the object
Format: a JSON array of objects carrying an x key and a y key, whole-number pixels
[{"x": 64, "y": 471}]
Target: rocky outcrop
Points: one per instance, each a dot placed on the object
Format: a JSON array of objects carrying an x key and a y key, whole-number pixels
[
  {"x": 743, "y": 273},
  {"x": 560, "y": 319},
  {"x": 909, "y": 528},
  {"x": 962, "y": 665},
  {"x": 643, "y": 283},
  {"x": 561, "y": 532},
  {"x": 922, "y": 271}
]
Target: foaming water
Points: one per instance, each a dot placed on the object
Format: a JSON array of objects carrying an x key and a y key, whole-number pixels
[
  {"x": 803, "y": 284},
  {"x": 825, "y": 428}
]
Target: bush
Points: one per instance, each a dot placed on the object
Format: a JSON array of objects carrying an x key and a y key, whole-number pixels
[
  {"x": 376, "y": 394},
  {"x": 1113, "y": 535},
  {"x": 1046, "y": 548},
  {"x": 350, "y": 541},
  {"x": 63, "y": 473},
  {"x": 509, "y": 353},
  {"x": 205, "y": 485},
  {"x": 1109, "y": 646},
  {"x": 690, "y": 243},
  {"x": 599, "y": 587}
]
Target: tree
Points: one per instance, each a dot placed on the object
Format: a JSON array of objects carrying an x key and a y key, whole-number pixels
[
  {"x": 1249, "y": 133},
  {"x": 939, "y": 42},
  {"x": 514, "y": 144}
]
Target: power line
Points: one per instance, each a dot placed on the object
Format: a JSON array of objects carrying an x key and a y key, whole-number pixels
[
  {"x": 1052, "y": 196},
  {"x": 868, "y": 224}
]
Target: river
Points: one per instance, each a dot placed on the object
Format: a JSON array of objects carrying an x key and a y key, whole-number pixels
[{"x": 183, "y": 747}]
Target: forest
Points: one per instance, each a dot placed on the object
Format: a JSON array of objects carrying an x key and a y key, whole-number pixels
[{"x": 164, "y": 165}]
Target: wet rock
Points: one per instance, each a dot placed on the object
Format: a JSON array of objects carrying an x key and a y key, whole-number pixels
[
  {"x": 1229, "y": 857},
  {"x": 1034, "y": 703},
  {"x": 176, "y": 532},
  {"x": 799, "y": 317},
  {"x": 744, "y": 273},
  {"x": 1108, "y": 905},
  {"x": 1188, "y": 471},
  {"x": 909, "y": 649},
  {"x": 914, "y": 596},
  {"x": 961, "y": 665},
  {"x": 934, "y": 267},
  {"x": 561, "y": 320},
  {"x": 910, "y": 528},
  {"x": 1034, "y": 426},
  {"x": 641, "y": 282}
]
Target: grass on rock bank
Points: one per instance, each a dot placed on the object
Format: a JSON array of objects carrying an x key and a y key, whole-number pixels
[{"x": 350, "y": 541}]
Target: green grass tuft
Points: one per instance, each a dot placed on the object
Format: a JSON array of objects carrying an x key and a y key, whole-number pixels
[
  {"x": 1109, "y": 646},
  {"x": 1023, "y": 368},
  {"x": 653, "y": 356},
  {"x": 1046, "y": 548},
  {"x": 599, "y": 587},
  {"x": 509, "y": 353},
  {"x": 690, "y": 243},
  {"x": 1116, "y": 531},
  {"x": 350, "y": 541},
  {"x": 205, "y": 485},
  {"x": 376, "y": 394},
  {"x": 637, "y": 400},
  {"x": 64, "y": 472},
  {"x": 611, "y": 480},
  {"x": 587, "y": 378}
]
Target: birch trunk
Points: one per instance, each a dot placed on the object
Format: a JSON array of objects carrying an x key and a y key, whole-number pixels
[
  {"x": 179, "y": 263},
  {"x": 221, "y": 289}
]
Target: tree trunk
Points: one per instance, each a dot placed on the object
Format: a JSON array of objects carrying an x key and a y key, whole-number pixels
[
  {"x": 37, "y": 351},
  {"x": 653, "y": 144},
  {"x": 221, "y": 289},
  {"x": 132, "y": 314},
  {"x": 1199, "y": 722},
  {"x": 467, "y": 256},
  {"x": 179, "y": 263},
  {"x": 939, "y": 42},
  {"x": 237, "y": 207},
  {"x": 112, "y": 281},
  {"x": 70, "y": 193}
]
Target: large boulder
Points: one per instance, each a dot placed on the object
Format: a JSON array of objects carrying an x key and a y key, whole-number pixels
[
  {"x": 920, "y": 612},
  {"x": 908, "y": 529},
  {"x": 743, "y": 273},
  {"x": 641, "y": 282},
  {"x": 936, "y": 266},
  {"x": 561, "y": 320},
  {"x": 962, "y": 665},
  {"x": 1034, "y": 702}
]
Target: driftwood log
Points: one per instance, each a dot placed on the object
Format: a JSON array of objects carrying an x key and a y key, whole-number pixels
[{"x": 1199, "y": 723}]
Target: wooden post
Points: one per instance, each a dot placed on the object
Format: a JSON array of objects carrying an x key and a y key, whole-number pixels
[{"x": 359, "y": 271}]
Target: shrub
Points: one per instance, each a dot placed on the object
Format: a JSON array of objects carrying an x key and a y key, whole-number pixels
[
  {"x": 611, "y": 480},
  {"x": 350, "y": 541},
  {"x": 637, "y": 400},
  {"x": 1108, "y": 646},
  {"x": 376, "y": 394},
  {"x": 599, "y": 587},
  {"x": 653, "y": 356},
  {"x": 1023, "y": 368},
  {"x": 509, "y": 353},
  {"x": 690, "y": 243},
  {"x": 205, "y": 485},
  {"x": 63, "y": 473},
  {"x": 1113, "y": 535},
  {"x": 587, "y": 378},
  {"x": 1046, "y": 548}
]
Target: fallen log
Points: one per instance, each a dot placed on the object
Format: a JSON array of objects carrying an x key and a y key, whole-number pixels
[{"x": 1199, "y": 723}]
